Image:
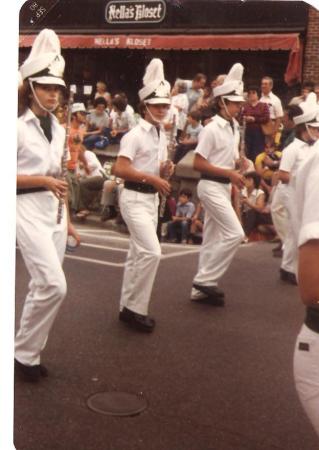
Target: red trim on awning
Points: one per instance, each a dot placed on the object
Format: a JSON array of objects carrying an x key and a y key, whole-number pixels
[
  {"x": 287, "y": 42},
  {"x": 176, "y": 42}
]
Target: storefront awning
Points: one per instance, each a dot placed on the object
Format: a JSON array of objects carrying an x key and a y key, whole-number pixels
[{"x": 289, "y": 42}]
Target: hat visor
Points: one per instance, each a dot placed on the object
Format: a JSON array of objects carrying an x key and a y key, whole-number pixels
[
  {"x": 158, "y": 101},
  {"x": 234, "y": 98},
  {"x": 313, "y": 124},
  {"x": 48, "y": 80}
]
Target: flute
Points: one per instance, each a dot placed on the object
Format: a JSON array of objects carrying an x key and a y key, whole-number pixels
[
  {"x": 170, "y": 154},
  {"x": 65, "y": 155}
]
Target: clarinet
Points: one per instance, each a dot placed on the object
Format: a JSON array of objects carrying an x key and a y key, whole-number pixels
[
  {"x": 170, "y": 153},
  {"x": 64, "y": 159}
]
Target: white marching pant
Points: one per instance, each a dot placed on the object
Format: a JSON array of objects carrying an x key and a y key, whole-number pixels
[
  {"x": 290, "y": 250},
  {"x": 222, "y": 233},
  {"x": 140, "y": 212},
  {"x": 306, "y": 373},
  {"x": 279, "y": 213},
  {"x": 42, "y": 243}
]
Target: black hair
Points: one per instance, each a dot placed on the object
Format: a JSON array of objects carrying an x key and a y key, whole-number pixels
[
  {"x": 195, "y": 115},
  {"x": 255, "y": 177},
  {"x": 293, "y": 111},
  {"x": 99, "y": 101},
  {"x": 187, "y": 192},
  {"x": 254, "y": 87},
  {"x": 119, "y": 102},
  {"x": 308, "y": 84},
  {"x": 199, "y": 76}
]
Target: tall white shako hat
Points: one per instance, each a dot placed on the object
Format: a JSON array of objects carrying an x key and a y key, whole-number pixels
[
  {"x": 232, "y": 88},
  {"x": 156, "y": 89},
  {"x": 45, "y": 64},
  {"x": 310, "y": 111}
]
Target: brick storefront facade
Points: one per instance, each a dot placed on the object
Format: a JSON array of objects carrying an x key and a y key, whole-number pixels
[{"x": 311, "y": 57}]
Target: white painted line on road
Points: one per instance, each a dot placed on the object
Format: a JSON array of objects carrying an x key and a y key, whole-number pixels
[
  {"x": 95, "y": 261},
  {"x": 104, "y": 247},
  {"x": 172, "y": 255},
  {"x": 114, "y": 238}
]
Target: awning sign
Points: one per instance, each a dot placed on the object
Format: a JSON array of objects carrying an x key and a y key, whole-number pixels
[{"x": 148, "y": 11}]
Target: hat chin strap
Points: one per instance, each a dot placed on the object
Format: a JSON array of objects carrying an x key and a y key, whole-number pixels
[
  {"x": 226, "y": 109},
  {"x": 38, "y": 101},
  {"x": 153, "y": 118}
]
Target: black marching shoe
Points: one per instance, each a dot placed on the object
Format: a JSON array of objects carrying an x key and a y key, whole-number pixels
[
  {"x": 209, "y": 295},
  {"x": 288, "y": 277},
  {"x": 31, "y": 374},
  {"x": 137, "y": 321}
]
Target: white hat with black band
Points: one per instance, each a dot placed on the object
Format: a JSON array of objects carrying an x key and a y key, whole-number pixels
[
  {"x": 232, "y": 88},
  {"x": 156, "y": 89},
  {"x": 45, "y": 64},
  {"x": 310, "y": 112}
]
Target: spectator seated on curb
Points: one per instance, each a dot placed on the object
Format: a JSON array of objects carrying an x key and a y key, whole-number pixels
[
  {"x": 98, "y": 126},
  {"x": 197, "y": 224},
  {"x": 180, "y": 223},
  {"x": 189, "y": 139},
  {"x": 122, "y": 120},
  {"x": 255, "y": 215},
  {"x": 76, "y": 149},
  {"x": 90, "y": 184},
  {"x": 110, "y": 198},
  {"x": 267, "y": 163}
]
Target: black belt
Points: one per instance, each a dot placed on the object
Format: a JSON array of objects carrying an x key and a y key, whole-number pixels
[
  {"x": 312, "y": 319},
  {"x": 30, "y": 190},
  {"x": 223, "y": 180},
  {"x": 140, "y": 187}
]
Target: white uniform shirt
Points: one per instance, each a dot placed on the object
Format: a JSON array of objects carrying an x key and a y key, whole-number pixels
[
  {"x": 293, "y": 155},
  {"x": 36, "y": 155},
  {"x": 305, "y": 219},
  {"x": 274, "y": 104},
  {"x": 144, "y": 147},
  {"x": 218, "y": 143}
]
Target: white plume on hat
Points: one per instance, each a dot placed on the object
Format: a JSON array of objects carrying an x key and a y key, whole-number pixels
[
  {"x": 310, "y": 110},
  {"x": 156, "y": 89},
  {"x": 232, "y": 88},
  {"x": 45, "y": 64}
]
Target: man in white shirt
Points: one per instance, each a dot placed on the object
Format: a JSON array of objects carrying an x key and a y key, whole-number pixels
[{"x": 273, "y": 102}]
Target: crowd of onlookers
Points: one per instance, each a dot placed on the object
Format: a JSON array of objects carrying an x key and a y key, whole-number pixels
[{"x": 100, "y": 119}]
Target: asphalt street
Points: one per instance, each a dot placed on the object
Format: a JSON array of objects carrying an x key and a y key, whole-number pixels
[{"x": 214, "y": 378}]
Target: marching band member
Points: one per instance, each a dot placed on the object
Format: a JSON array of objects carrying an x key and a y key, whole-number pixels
[
  {"x": 292, "y": 157},
  {"x": 139, "y": 163},
  {"x": 215, "y": 157},
  {"x": 306, "y": 227},
  {"x": 41, "y": 239}
]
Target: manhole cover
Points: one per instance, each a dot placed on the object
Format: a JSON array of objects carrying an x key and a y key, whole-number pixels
[{"x": 117, "y": 403}]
